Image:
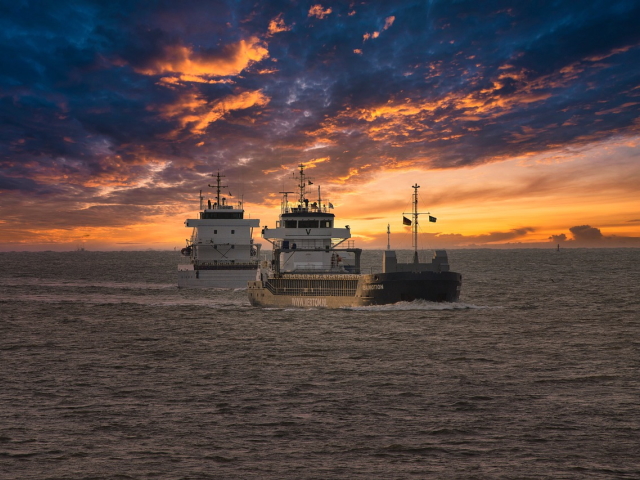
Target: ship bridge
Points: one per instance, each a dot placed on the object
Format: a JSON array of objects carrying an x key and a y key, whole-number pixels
[
  {"x": 222, "y": 235},
  {"x": 306, "y": 230},
  {"x": 307, "y": 239}
]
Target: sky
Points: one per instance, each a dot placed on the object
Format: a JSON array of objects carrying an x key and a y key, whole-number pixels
[{"x": 520, "y": 121}]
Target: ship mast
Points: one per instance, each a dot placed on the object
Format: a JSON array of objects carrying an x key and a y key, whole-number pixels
[
  {"x": 415, "y": 222},
  {"x": 218, "y": 187},
  {"x": 302, "y": 186},
  {"x": 284, "y": 205}
]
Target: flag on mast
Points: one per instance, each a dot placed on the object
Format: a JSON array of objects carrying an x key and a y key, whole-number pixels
[
  {"x": 432, "y": 219},
  {"x": 406, "y": 221}
]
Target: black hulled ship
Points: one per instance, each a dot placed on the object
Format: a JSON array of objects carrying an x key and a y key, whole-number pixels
[{"x": 315, "y": 264}]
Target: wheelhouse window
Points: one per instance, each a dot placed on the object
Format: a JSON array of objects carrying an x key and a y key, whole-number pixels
[
  {"x": 221, "y": 215},
  {"x": 290, "y": 224},
  {"x": 308, "y": 224},
  {"x": 325, "y": 223}
]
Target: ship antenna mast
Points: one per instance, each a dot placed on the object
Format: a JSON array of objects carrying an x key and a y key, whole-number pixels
[
  {"x": 302, "y": 184},
  {"x": 284, "y": 206},
  {"x": 218, "y": 187},
  {"x": 201, "y": 198},
  {"x": 415, "y": 222},
  {"x": 414, "y": 226}
]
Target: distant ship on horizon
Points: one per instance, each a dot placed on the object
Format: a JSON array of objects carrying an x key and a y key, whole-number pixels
[{"x": 221, "y": 250}]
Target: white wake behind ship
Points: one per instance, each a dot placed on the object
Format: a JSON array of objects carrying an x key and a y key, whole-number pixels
[{"x": 221, "y": 250}]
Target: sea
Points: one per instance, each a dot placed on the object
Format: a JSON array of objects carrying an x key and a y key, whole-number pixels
[{"x": 109, "y": 371}]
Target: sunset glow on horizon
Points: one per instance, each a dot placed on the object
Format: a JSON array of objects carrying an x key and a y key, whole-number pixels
[{"x": 520, "y": 122}]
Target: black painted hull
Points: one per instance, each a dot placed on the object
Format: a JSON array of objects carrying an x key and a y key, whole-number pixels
[
  {"x": 409, "y": 286},
  {"x": 374, "y": 289}
]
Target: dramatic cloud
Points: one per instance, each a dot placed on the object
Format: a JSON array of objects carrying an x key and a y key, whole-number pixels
[
  {"x": 199, "y": 66},
  {"x": 586, "y": 233},
  {"x": 277, "y": 25},
  {"x": 195, "y": 113},
  {"x": 558, "y": 238},
  {"x": 484, "y": 239},
  {"x": 99, "y": 98},
  {"x": 387, "y": 23},
  {"x": 318, "y": 11},
  {"x": 588, "y": 236}
]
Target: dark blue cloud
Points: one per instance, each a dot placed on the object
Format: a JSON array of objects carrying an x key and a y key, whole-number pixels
[{"x": 85, "y": 92}]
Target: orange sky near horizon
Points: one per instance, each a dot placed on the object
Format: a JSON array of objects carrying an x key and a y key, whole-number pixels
[
  {"x": 518, "y": 132},
  {"x": 521, "y": 202}
]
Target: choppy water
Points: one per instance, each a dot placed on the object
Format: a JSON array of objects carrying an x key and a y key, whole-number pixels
[{"x": 107, "y": 370}]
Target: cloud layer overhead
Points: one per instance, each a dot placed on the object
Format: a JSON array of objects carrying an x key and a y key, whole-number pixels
[{"x": 520, "y": 120}]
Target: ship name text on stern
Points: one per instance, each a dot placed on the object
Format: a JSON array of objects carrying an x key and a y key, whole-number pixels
[{"x": 308, "y": 302}]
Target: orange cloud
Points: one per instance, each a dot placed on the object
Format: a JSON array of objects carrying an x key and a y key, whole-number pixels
[
  {"x": 182, "y": 79},
  {"x": 404, "y": 121},
  {"x": 195, "y": 66},
  {"x": 391, "y": 109},
  {"x": 319, "y": 12},
  {"x": 313, "y": 162},
  {"x": 617, "y": 109},
  {"x": 277, "y": 25},
  {"x": 615, "y": 51},
  {"x": 353, "y": 172},
  {"x": 387, "y": 23},
  {"x": 195, "y": 113}
]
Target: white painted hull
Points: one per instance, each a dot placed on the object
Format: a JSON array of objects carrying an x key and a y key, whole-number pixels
[{"x": 215, "y": 278}]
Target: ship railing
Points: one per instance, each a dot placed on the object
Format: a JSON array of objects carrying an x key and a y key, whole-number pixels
[
  {"x": 317, "y": 269},
  {"x": 228, "y": 262},
  {"x": 310, "y": 244},
  {"x": 312, "y": 288}
]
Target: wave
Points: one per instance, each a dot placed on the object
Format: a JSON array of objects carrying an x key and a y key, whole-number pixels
[
  {"x": 37, "y": 282},
  {"x": 421, "y": 305},
  {"x": 97, "y": 299}
]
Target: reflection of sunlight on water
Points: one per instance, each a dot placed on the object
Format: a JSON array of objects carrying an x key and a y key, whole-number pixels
[{"x": 419, "y": 305}]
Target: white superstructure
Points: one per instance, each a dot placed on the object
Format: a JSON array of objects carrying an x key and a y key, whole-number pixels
[
  {"x": 221, "y": 250},
  {"x": 306, "y": 240}
]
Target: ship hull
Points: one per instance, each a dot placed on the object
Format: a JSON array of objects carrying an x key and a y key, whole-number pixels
[
  {"x": 365, "y": 290},
  {"x": 215, "y": 278}
]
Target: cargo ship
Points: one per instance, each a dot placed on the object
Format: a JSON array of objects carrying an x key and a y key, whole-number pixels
[
  {"x": 315, "y": 263},
  {"x": 221, "y": 250}
]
